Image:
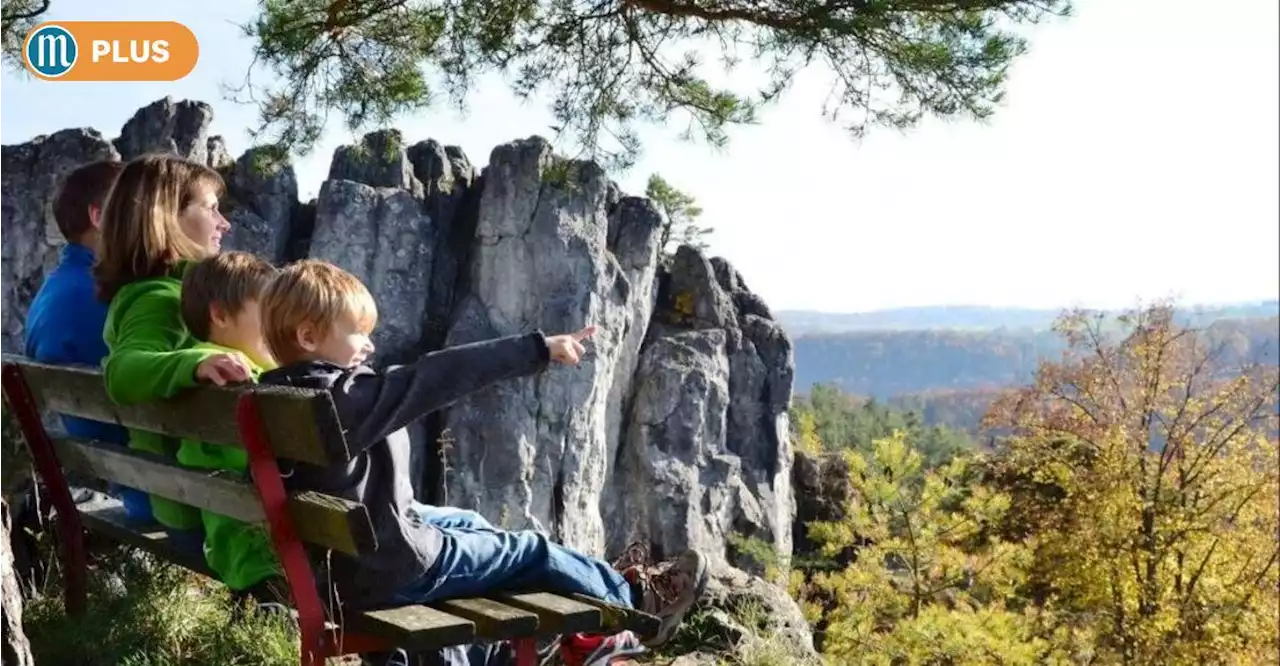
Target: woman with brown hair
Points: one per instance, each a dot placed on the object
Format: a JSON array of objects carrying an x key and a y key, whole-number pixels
[{"x": 161, "y": 217}]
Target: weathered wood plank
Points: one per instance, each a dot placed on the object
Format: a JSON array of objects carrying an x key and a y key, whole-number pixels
[
  {"x": 414, "y": 627},
  {"x": 320, "y": 519},
  {"x": 301, "y": 424},
  {"x": 556, "y": 614},
  {"x": 108, "y": 517},
  {"x": 617, "y": 618},
  {"x": 494, "y": 621}
]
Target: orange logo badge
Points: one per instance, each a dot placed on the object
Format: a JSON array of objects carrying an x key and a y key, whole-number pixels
[{"x": 110, "y": 51}]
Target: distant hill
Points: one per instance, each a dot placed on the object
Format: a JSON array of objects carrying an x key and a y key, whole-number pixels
[
  {"x": 983, "y": 318},
  {"x": 886, "y": 364},
  {"x": 950, "y": 377}
]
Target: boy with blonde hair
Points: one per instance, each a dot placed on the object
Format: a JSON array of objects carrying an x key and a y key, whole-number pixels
[
  {"x": 317, "y": 319},
  {"x": 220, "y": 308}
]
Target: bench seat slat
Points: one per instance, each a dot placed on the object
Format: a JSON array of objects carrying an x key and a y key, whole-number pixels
[
  {"x": 108, "y": 517},
  {"x": 320, "y": 519},
  {"x": 556, "y": 614},
  {"x": 617, "y": 618},
  {"x": 301, "y": 424},
  {"x": 414, "y": 627},
  {"x": 494, "y": 620}
]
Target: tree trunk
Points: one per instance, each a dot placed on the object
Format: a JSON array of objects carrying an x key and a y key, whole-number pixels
[{"x": 17, "y": 652}]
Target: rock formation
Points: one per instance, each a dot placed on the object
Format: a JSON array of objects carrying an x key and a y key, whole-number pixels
[
  {"x": 29, "y": 175},
  {"x": 823, "y": 492},
  {"x": 672, "y": 431}
]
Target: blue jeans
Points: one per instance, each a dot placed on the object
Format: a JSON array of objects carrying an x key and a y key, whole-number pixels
[
  {"x": 477, "y": 559},
  {"x": 450, "y": 516},
  {"x": 137, "y": 504}
]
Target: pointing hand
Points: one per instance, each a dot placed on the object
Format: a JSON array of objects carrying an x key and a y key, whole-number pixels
[{"x": 567, "y": 348}]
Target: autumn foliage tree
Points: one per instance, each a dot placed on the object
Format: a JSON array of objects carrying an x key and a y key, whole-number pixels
[
  {"x": 1148, "y": 474},
  {"x": 1128, "y": 515},
  {"x": 930, "y": 583}
]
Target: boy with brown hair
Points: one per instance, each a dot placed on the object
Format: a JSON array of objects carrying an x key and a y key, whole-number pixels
[
  {"x": 64, "y": 323},
  {"x": 220, "y": 308},
  {"x": 317, "y": 319}
]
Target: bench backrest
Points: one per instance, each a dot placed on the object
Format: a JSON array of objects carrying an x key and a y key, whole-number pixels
[{"x": 298, "y": 424}]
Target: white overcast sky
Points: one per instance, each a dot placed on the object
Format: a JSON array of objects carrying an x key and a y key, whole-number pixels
[{"x": 1135, "y": 157}]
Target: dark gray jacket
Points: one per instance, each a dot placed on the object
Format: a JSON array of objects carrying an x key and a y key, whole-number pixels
[{"x": 374, "y": 407}]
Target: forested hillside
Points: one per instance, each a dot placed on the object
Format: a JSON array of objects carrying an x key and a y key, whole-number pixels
[
  {"x": 950, "y": 377},
  {"x": 886, "y": 364},
  {"x": 889, "y": 363},
  {"x": 1126, "y": 514}
]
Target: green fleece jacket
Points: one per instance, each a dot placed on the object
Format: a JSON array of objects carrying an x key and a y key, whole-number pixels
[
  {"x": 239, "y": 552},
  {"x": 151, "y": 358}
]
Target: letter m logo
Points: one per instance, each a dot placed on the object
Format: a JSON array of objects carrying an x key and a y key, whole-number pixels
[{"x": 50, "y": 51}]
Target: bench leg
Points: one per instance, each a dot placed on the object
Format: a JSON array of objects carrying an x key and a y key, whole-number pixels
[
  {"x": 289, "y": 550},
  {"x": 71, "y": 535},
  {"x": 526, "y": 651}
]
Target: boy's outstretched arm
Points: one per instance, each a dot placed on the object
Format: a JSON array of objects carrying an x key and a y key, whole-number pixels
[{"x": 373, "y": 404}]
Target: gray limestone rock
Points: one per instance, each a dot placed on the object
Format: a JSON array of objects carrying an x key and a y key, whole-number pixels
[
  {"x": 181, "y": 128},
  {"x": 532, "y": 452},
  {"x": 30, "y": 174},
  {"x": 261, "y": 203},
  {"x": 449, "y": 187},
  {"x": 676, "y": 485},
  {"x": 376, "y": 233},
  {"x": 218, "y": 156},
  {"x": 823, "y": 492},
  {"x": 672, "y": 431},
  {"x": 700, "y": 294},
  {"x": 758, "y": 617},
  {"x": 379, "y": 160},
  {"x": 635, "y": 230}
]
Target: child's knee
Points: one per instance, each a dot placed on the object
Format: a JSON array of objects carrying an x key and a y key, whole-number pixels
[{"x": 473, "y": 519}]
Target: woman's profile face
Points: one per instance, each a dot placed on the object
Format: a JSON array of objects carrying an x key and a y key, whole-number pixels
[{"x": 202, "y": 222}]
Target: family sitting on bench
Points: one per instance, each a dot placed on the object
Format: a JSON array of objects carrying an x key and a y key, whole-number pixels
[{"x": 181, "y": 314}]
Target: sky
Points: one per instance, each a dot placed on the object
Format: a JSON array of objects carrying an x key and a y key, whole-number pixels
[{"x": 1134, "y": 158}]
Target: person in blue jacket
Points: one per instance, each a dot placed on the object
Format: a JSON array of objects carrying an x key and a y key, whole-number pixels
[{"x": 64, "y": 324}]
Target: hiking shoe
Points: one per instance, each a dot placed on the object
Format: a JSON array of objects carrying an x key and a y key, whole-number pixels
[
  {"x": 599, "y": 649},
  {"x": 549, "y": 651},
  {"x": 668, "y": 590}
]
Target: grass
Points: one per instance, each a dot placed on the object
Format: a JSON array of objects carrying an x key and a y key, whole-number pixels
[
  {"x": 737, "y": 638},
  {"x": 141, "y": 612},
  {"x": 149, "y": 613}
]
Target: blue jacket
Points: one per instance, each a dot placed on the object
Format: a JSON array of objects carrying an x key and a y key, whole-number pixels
[{"x": 64, "y": 326}]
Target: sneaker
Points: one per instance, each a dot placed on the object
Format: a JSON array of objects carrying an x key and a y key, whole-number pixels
[
  {"x": 396, "y": 657},
  {"x": 549, "y": 651},
  {"x": 599, "y": 649},
  {"x": 668, "y": 590}
]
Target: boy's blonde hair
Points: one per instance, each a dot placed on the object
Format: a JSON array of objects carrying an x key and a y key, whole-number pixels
[
  {"x": 229, "y": 280},
  {"x": 311, "y": 292},
  {"x": 141, "y": 237}
]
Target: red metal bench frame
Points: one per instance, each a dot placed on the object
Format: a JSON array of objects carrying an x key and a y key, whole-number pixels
[{"x": 317, "y": 642}]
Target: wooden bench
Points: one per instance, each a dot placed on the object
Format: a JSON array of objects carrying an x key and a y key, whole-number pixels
[{"x": 269, "y": 422}]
